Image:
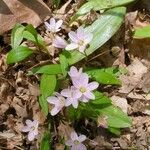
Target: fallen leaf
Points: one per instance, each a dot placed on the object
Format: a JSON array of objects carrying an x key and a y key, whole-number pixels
[{"x": 22, "y": 11}]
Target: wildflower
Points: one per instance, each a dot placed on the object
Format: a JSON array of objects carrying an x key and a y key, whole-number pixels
[
  {"x": 32, "y": 128},
  {"x": 58, "y": 101},
  {"x": 72, "y": 96},
  {"x": 53, "y": 26},
  {"x": 84, "y": 88},
  {"x": 59, "y": 42},
  {"x": 79, "y": 40},
  {"x": 74, "y": 73},
  {"x": 75, "y": 142}
]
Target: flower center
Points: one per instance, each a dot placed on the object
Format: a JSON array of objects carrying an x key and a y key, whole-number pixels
[
  {"x": 82, "y": 89},
  {"x": 62, "y": 101},
  {"x": 33, "y": 128},
  {"x": 76, "y": 142},
  {"x": 81, "y": 42}
]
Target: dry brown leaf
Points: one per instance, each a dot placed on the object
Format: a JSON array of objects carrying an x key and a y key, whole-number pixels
[
  {"x": 64, "y": 130},
  {"x": 120, "y": 102},
  {"x": 22, "y": 11}
]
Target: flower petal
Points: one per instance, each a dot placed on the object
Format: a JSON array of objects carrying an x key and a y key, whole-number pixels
[
  {"x": 81, "y": 147},
  {"x": 55, "y": 111},
  {"x": 58, "y": 24},
  {"x": 88, "y": 38},
  {"x": 59, "y": 42},
  {"x": 31, "y": 136},
  {"x": 92, "y": 86},
  {"x": 66, "y": 92},
  {"x": 52, "y": 100},
  {"x": 73, "y": 36},
  {"x": 80, "y": 33},
  {"x": 52, "y": 22},
  {"x": 75, "y": 103},
  {"x": 73, "y": 71},
  {"x": 82, "y": 138},
  {"x": 48, "y": 26},
  {"x": 25, "y": 129},
  {"x": 74, "y": 136},
  {"x": 69, "y": 142},
  {"x": 29, "y": 123},
  {"x": 71, "y": 46},
  {"x": 68, "y": 102},
  {"x": 89, "y": 95}
]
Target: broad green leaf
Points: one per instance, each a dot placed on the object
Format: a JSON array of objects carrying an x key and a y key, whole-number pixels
[
  {"x": 103, "y": 29},
  {"x": 45, "y": 142},
  {"x": 44, "y": 104},
  {"x": 101, "y": 5},
  {"x": 47, "y": 84},
  {"x": 18, "y": 54},
  {"x": 116, "y": 117},
  {"x": 48, "y": 69},
  {"x": 64, "y": 64},
  {"x": 31, "y": 34},
  {"x": 17, "y": 35},
  {"x": 143, "y": 32},
  {"x": 103, "y": 77}
]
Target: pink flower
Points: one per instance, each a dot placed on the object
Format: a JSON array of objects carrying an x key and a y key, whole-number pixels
[
  {"x": 72, "y": 96},
  {"x": 59, "y": 42},
  {"x": 58, "y": 101},
  {"x": 79, "y": 40},
  {"x": 74, "y": 73},
  {"x": 53, "y": 26},
  {"x": 85, "y": 88},
  {"x": 32, "y": 128},
  {"x": 75, "y": 142}
]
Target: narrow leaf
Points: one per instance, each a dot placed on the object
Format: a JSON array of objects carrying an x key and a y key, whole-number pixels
[
  {"x": 64, "y": 64},
  {"x": 18, "y": 54},
  {"x": 103, "y": 77},
  {"x": 45, "y": 142},
  {"x": 101, "y": 5},
  {"x": 48, "y": 69},
  {"x": 17, "y": 35},
  {"x": 47, "y": 85},
  {"x": 44, "y": 104}
]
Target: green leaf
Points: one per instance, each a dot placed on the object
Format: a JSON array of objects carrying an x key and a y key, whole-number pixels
[
  {"x": 101, "y": 5},
  {"x": 103, "y": 29},
  {"x": 114, "y": 130},
  {"x": 47, "y": 84},
  {"x": 44, "y": 104},
  {"x": 101, "y": 76},
  {"x": 143, "y": 32},
  {"x": 17, "y": 35},
  {"x": 64, "y": 64},
  {"x": 45, "y": 142},
  {"x": 48, "y": 69},
  {"x": 116, "y": 117},
  {"x": 31, "y": 34},
  {"x": 18, "y": 54}
]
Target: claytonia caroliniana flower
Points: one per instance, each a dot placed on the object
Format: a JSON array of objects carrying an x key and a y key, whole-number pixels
[
  {"x": 84, "y": 87},
  {"x": 74, "y": 73},
  {"x": 75, "y": 142},
  {"x": 53, "y": 26},
  {"x": 58, "y": 101},
  {"x": 79, "y": 40},
  {"x": 59, "y": 42},
  {"x": 32, "y": 128},
  {"x": 72, "y": 95}
]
